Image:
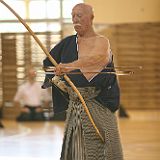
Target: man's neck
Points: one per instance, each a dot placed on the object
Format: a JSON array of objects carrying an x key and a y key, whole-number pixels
[{"x": 88, "y": 34}]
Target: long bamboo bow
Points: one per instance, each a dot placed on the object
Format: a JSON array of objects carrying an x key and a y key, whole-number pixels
[{"x": 55, "y": 64}]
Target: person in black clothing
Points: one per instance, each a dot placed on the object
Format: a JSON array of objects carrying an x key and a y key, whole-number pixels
[
  {"x": 87, "y": 53},
  {"x": 1, "y": 125}
]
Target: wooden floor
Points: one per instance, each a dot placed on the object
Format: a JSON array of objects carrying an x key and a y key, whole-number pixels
[{"x": 42, "y": 140}]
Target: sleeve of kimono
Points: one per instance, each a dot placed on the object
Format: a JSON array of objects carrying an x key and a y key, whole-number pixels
[{"x": 56, "y": 54}]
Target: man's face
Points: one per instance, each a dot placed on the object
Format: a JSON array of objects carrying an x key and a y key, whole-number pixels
[
  {"x": 82, "y": 20},
  {"x": 31, "y": 74}
]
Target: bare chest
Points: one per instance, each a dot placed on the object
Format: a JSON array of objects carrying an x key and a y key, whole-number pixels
[{"x": 86, "y": 46}]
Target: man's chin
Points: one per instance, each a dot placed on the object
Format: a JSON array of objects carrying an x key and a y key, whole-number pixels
[{"x": 77, "y": 30}]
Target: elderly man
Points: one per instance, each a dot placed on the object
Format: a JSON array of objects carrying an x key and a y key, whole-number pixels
[{"x": 87, "y": 53}]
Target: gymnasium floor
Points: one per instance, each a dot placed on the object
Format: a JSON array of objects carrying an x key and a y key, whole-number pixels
[{"x": 42, "y": 140}]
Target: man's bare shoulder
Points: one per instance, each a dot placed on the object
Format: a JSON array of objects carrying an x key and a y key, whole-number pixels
[
  {"x": 102, "y": 41},
  {"x": 102, "y": 38}
]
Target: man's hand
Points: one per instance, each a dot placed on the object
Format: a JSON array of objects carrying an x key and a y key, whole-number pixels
[{"x": 62, "y": 68}]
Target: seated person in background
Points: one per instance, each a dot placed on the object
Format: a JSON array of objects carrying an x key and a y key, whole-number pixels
[{"x": 31, "y": 97}]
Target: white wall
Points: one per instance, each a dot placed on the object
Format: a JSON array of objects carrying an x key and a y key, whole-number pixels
[{"x": 125, "y": 11}]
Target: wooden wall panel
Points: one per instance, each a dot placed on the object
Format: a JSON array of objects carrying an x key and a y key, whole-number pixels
[
  {"x": 0, "y": 76},
  {"x": 9, "y": 73},
  {"x": 138, "y": 45},
  {"x": 20, "y": 51}
]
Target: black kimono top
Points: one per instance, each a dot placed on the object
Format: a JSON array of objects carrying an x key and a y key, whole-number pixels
[{"x": 66, "y": 51}]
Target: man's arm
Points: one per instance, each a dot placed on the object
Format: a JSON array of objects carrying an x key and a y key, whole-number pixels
[{"x": 97, "y": 58}]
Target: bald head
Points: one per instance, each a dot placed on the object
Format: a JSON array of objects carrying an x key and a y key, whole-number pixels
[{"x": 87, "y": 9}]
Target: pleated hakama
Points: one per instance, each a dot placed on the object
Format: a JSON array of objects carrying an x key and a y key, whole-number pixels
[{"x": 81, "y": 142}]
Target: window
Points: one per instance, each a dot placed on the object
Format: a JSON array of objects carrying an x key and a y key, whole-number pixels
[
  {"x": 67, "y": 7},
  {"x": 19, "y": 7},
  {"x": 44, "y": 9},
  {"x": 42, "y": 15}
]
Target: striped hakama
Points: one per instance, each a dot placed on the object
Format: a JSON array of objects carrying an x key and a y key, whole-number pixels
[{"x": 81, "y": 142}]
